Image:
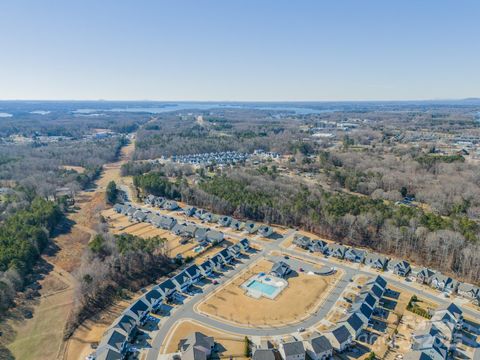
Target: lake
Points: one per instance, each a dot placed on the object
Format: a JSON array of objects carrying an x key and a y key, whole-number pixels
[{"x": 299, "y": 110}]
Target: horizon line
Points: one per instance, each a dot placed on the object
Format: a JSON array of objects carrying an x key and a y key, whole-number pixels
[{"x": 470, "y": 98}]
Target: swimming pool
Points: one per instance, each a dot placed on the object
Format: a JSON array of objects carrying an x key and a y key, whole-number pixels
[
  {"x": 198, "y": 249},
  {"x": 263, "y": 288},
  {"x": 263, "y": 285}
]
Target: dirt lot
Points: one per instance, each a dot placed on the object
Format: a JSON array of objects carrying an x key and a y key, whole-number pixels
[
  {"x": 232, "y": 304},
  {"x": 231, "y": 345}
]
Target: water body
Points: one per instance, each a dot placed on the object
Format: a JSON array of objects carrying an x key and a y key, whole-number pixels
[
  {"x": 5, "y": 115},
  {"x": 40, "y": 112},
  {"x": 299, "y": 110}
]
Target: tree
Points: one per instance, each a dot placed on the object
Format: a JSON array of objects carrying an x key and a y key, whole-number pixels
[{"x": 112, "y": 192}]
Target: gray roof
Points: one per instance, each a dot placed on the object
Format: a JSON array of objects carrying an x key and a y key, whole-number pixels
[
  {"x": 106, "y": 353},
  {"x": 166, "y": 285},
  {"x": 265, "y": 354},
  {"x": 181, "y": 277},
  {"x": 192, "y": 270},
  {"x": 293, "y": 348},
  {"x": 114, "y": 338},
  {"x": 320, "y": 344},
  {"x": 341, "y": 333},
  {"x": 138, "y": 307},
  {"x": 354, "y": 321},
  {"x": 125, "y": 322}
]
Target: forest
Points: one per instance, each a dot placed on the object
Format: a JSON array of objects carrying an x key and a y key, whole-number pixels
[
  {"x": 111, "y": 265},
  {"x": 23, "y": 236},
  {"x": 448, "y": 243}
]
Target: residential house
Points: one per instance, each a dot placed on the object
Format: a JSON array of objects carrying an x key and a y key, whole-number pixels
[
  {"x": 139, "y": 216},
  {"x": 266, "y": 354},
  {"x": 373, "y": 289},
  {"x": 113, "y": 344},
  {"x": 227, "y": 257},
  {"x": 217, "y": 262},
  {"x": 363, "y": 311},
  {"x": 206, "y": 268},
  {"x": 194, "y": 272},
  {"x": 265, "y": 230},
  {"x": 150, "y": 199},
  {"x": 201, "y": 234},
  {"x": 127, "y": 324},
  {"x": 244, "y": 244},
  {"x": 469, "y": 291},
  {"x": 235, "y": 250},
  {"x": 167, "y": 222},
  {"x": 208, "y": 216},
  {"x": 366, "y": 299},
  {"x": 292, "y": 350},
  {"x": 431, "y": 348},
  {"x": 182, "y": 281},
  {"x": 190, "y": 230},
  {"x": 167, "y": 287},
  {"x": 199, "y": 213},
  {"x": 340, "y": 338},
  {"x": 179, "y": 229},
  {"x": 189, "y": 210},
  {"x": 354, "y": 324},
  {"x": 376, "y": 261},
  {"x": 236, "y": 225},
  {"x": 170, "y": 205},
  {"x": 130, "y": 211},
  {"x": 224, "y": 221},
  {"x": 107, "y": 353},
  {"x": 214, "y": 236},
  {"x": 318, "y": 347},
  {"x": 302, "y": 241},
  {"x": 153, "y": 299},
  {"x": 337, "y": 250},
  {"x": 196, "y": 346},
  {"x": 444, "y": 283},
  {"x": 138, "y": 310},
  {"x": 401, "y": 267},
  {"x": 355, "y": 255},
  {"x": 250, "y": 227},
  {"x": 425, "y": 276},
  {"x": 280, "y": 269},
  {"x": 319, "y": 246}
]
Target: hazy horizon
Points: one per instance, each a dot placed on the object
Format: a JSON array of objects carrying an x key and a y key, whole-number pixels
[{"x": 239, "y": 51}]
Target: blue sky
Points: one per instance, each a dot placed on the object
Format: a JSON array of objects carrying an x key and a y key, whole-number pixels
[{"x": 239, "y": 50}]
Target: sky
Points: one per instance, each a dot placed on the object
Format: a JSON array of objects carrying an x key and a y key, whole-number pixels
[{"x": 239, "y": 50}]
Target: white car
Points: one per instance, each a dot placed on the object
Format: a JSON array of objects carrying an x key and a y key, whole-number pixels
[{"x": 301, "y": 329}]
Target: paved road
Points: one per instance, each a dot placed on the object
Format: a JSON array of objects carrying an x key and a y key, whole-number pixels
[{"x": 187, "y": 310}]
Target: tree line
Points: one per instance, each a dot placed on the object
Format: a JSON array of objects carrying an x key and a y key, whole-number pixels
[
  {"x": 111, "y": 264},
  {"x": 23, "y": 236},
  {"x": 449, "y": 244}
]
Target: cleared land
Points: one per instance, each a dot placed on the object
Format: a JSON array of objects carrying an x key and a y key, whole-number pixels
[
  {"x": 303, "y": 294},
  {"x": 50, "y": 312},
  {"x": 229, "y": 345}
]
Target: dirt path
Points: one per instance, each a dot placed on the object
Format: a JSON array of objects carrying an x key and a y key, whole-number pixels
[{"x": 41, "y": 337}]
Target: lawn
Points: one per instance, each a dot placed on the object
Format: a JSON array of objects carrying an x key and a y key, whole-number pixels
[
  {"x": 302, "y": 296},
  {"x": 230, "y": 345}
]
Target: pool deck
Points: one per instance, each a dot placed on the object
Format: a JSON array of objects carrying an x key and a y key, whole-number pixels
[{"x": 264, "y": 285}]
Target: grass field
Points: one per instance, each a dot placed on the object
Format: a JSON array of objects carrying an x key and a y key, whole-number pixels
[
  {"x": 303, "y": 294},
  {"x": 41, "y": 337},
  {"x": 231, "y": 345}
]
